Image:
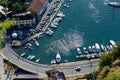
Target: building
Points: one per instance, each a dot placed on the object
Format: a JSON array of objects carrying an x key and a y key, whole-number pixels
[
  {"x": 24, "y": 19},
  {"x": 38, "y": 7},
  {"x": 4, "y": 13}
]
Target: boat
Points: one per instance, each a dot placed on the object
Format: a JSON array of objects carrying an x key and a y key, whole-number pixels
[
  {"x": 49, "y": 32},
  {"x": 67, "y": 6},
  {"x": 29, "y": 57},
  {"x": 23, "y": 54},
  {"x": 108, "y": 47},
  {"x": 103, "y": 48},
  {"x": 52, "y": 25},
  {"x": 58, "y": 58},
  {"x": 85, "y": 50},
  {"x": 113, "y": 43},
  {"x": 70, "y": 0},
  {"x": 94, "y": 49},
  {"x": 114, "y": 4},
  {"x": 32, "y": 57},
  {"x": 37, "y": 60},
  {"x": 97, "y": 47},
  {"x": 53, "y": 61},
  {"x": 90, "y": 49},
  {"x": 36, "y": 42},
  {"x": 60, "y": 14},
  {"x": 79, "y": 51},
  {"x": 111, "y": 47}
]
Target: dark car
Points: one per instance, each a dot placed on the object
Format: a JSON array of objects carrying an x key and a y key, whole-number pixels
[{"x": 77, "y": 69}]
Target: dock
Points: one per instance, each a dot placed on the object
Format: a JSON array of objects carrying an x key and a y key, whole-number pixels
[{"x": 51, "y": 18}]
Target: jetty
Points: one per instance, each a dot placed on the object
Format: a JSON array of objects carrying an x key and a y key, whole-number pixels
[{"x": 50, "y": 19}]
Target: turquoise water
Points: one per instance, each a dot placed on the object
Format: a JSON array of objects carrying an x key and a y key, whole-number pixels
[{"x": 86, "y": 22}]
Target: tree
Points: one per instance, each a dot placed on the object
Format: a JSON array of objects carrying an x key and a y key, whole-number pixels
[
  {"x": 3, "y": 3},
  {"x": 113, "y": 76}
]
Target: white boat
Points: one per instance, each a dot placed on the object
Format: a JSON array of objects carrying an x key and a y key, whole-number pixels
[
  {"x": 97, "y": 47},
  {"x": 37, "y": 60},
  {"x": 58, "y": 58},
  {"x": 111, "y": 47},
  {"x": 29, "y": 56},
  {"x": 53, "y": 61},
  {"x": 52, "y": 25},
  {"x": 36, "y": 42},
  {"x": 67, "y": 6},
  {"x": 103, "y": 48},
  {"x": 60, "y": 14},
  {"x": 113, "y": 43},
  {"x": 90, "y": 49},
  {"x": 85, "y": 50},
  {"x": 79, "y": 51},
  {"x": 49, "y": 32},
  {"x": 114, "y": 4},
  {"x": 23, "y": 54},
  {"x": 94, "y": 49},
  {"x": 108, "y": 47},
  {"x": 32, "y": 57}
]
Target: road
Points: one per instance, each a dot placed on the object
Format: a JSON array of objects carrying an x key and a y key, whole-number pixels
[{"x": 67, "y": 68}]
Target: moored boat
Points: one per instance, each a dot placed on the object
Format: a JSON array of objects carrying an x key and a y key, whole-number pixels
[
  {"x": 79, "y": 51},
  {"x": 37, "y": 60},
  {"x": 53, "y": 61},
  {"x": 103, "y": 48},
  {"x": 90, "y": 49},
  {"x": 97, "y": 47},
  {"x": 23, "y": 54},
  {"x": 58, "y": 58},
  {"x": 85, "y": 50},
  {"x": 113, "y": 43},
  {"x": 36, "y": 42},
  {"x": 94, "y": 49}
]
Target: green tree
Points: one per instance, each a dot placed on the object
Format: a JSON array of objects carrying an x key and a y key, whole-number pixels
[
  {"x": 105, "y": 59},
  {"x": 3, "y": 3},
  {"x": 113, "y": 76}
]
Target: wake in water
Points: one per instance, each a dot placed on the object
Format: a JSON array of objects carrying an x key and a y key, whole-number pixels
[
  {"x": 70, "y": 40},
  {"x": 95, "y": 12}
]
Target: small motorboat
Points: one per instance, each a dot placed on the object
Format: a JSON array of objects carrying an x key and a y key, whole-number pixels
[
  {"x": 23, "y": 54},
  {"x": 53, "y": 61},
  {"x": 111, "y": 47},
  {"x": 37, "y": 43},
  {"x": 58, "y": 58},
  {"x": 29, "y": 56},
  {"x": 103, "y": 48},
  {"x": 97, "y": 48},
  {"x": 79, "y": 51},
  {"x": 37, "y": 60},
  {"x": 108, "y": 47},
  {"x": 113, "y": 43},
  {"x": 85, "y": 50},
  {"x": 94, "y": 49},
  {"x": 32, "y": 57},
  {"x": 90, "y": 49}
]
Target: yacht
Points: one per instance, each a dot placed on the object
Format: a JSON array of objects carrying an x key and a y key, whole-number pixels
[
  {"x": 90, "y": 49},
  {"x": 85, "y": 50},
  {"x": 58, "y": 58},
  {"x": 60, "y": 14},
  {"x": 23, "y": 54},
  {"x": 97, "y": 47},
  {"x": 79, "y": 51},
  {"x": 113, "y": 43},
  {"x": 114, "y": 4},
  {"x": 103, "y": 48},
  {"x": 37, "y": 60},
  {"x": 37, "y": 43}
]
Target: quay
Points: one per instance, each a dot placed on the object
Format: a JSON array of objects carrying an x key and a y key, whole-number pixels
[{"x": 50, "y": 19}]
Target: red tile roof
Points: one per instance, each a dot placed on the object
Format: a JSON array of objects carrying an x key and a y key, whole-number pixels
[{"x": 36, "y": 5}]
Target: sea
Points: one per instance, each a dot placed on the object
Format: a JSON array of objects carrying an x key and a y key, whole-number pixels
[{"x": 86, "y": 22}]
